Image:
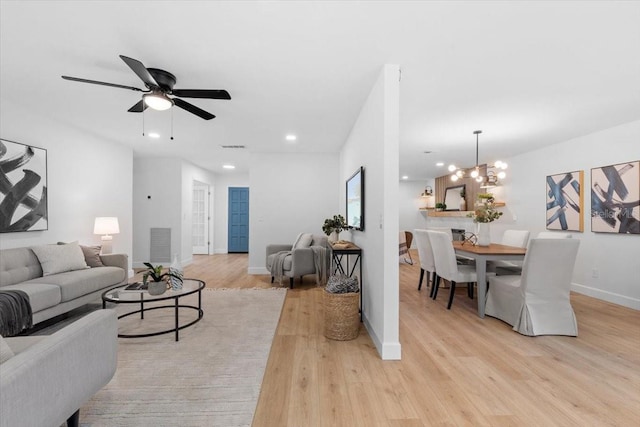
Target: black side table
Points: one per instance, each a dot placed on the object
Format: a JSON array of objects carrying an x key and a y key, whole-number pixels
[{"x": 337, "y": 253}]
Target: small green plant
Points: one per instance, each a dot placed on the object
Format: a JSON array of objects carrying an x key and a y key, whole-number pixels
[
  {"x": 337, "y": 224},
  {"x": 441, "y": 206},
  {"x": 486, "y": 212},
  {"x": 156, "y": 274},
  {"x": 485, "y": 196}
]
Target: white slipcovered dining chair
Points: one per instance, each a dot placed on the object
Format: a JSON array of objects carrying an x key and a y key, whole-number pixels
[
  {"x": 447, "y": 266},
  {"x": 425, "y": 254},
  {"x": 537, "y": 302},
  {"x": 516, "y": 238}
]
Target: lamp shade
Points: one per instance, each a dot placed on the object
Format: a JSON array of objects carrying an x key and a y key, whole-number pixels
[{"x": 106, "y": 225}]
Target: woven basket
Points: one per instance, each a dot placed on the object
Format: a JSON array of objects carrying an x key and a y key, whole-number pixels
[{"x": 341, "y": 318}]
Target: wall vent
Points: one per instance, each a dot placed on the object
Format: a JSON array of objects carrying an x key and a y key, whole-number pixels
[
  {"x": 160, "y": 248},
  {"x": 234, "y": 146}
]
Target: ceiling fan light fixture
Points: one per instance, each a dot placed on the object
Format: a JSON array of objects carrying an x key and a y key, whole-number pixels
[{"x": 157, "y": 101}]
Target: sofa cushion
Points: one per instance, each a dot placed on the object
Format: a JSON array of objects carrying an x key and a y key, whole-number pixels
[
  {"x": 41, "y": 295},
  {"x": 60, "y": 258},
  {"x": 5, "y": 351},
  {"x": 303, "y": 240},
  {"x": 92, "y": 256},
  {"x": 74, "y": 284},
  {"x": 285, "y": 267},
  {"x": 18, "y": 265}
]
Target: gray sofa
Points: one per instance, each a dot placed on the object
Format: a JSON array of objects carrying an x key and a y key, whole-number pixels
[
  {"x": 54, "y": 294},
  {"x": 45, "y": 380}
]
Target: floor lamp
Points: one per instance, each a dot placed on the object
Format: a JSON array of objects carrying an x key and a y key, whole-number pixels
[{"x": 106, "y": 225}]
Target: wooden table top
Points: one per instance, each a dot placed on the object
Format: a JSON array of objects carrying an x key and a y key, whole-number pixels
[{"x": 492, "y": 249}]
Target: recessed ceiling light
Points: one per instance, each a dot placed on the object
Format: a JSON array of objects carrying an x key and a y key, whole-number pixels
[
  {"x": 439, "y": 164},
  {"x": 228, "y": 167},
  {"x": 154, "y": 135},
  {"x": 291, "y": 137},
  {"x": 405, "y": 177}
]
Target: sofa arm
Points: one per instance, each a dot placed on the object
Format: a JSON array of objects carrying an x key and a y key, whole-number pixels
[
  {"x": 302, "y": 262},
  {"x": 48, "y": 382},
  {"x": 117, "y": 260}
]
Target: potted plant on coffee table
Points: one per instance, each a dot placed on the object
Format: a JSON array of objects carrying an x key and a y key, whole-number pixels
[{"x": 158, "y": 283}]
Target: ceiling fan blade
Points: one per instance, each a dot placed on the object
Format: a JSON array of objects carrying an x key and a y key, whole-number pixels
[
  {"x": 202, "y": 93},
  {"x": 95, "y": 82},
  {"x": 139, "y": 107},
  {"x": 192, "y": 109},
  {"x": 141, "y": 71}
]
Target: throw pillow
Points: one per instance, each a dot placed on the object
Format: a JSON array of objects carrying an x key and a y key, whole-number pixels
[
  {"x": 92, "y": 255},
  {"x": 5, "y": 351},
  {"x": 59, "y": 258},
  {"x": 303, "y": 241}
]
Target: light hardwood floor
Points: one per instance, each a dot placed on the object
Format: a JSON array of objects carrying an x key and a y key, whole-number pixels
[{"x": 456, "y": 369}]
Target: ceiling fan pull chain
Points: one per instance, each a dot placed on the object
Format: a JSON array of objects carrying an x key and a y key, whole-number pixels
[
  {"x": 172, "y": 124},
  {"x": 142, "y": 122}
]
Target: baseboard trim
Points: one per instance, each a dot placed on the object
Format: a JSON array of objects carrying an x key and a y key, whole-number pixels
[
  {"x": 611, "y": 297},
  {"x": 386, "y": 350},
  {"x": 220, "y": 251},
  {"x": 257, "y": 270}
]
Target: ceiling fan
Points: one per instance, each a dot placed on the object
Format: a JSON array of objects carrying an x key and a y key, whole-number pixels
[{"x": 159, "y": 85}]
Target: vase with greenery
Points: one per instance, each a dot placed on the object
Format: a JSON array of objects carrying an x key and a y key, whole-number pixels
[
  {"x": 440, "y": 206},
  {"x": 158, "y": 283},
  {"x": 334, "y": 225},
  {"x": 485, "y": 214}
]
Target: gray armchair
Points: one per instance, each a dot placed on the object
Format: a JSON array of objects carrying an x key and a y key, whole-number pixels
[{"x": 298, "y": 259}]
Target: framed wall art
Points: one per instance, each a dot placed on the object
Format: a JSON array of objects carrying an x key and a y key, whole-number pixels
[
  {"x": 615, "y": 198},
  {"x": 23, "y": 187},
  {"x": 565, "y": 201}
]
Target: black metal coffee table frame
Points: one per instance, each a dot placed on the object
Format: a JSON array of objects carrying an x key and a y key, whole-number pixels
[{"x": 108, "y": 296}]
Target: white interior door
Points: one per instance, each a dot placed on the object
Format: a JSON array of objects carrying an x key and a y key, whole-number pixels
[{"x": 200, "y": 221}]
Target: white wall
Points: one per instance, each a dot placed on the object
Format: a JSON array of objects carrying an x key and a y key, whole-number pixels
[
  {"x": 373, "y": 143},
  {"x": 409, "y": 203},
  {"x": 221, "y": 210},
  {"x": 87, "y": 177},
  {"x": 157, "y": 198},
  {"x": 614, "y": 257},
  {"x": 163, "y": 197},
  {"x": 290, "y": 194}
]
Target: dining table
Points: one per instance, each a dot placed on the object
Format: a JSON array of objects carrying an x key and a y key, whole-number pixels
[{"x": 482, "y": 254}]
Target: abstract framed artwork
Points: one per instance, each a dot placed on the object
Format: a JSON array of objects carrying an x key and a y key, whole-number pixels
[
  {"x": 565, "y": 201},
  {"x": 615, "y": 198},
  {"x": 23, "y": 187}
]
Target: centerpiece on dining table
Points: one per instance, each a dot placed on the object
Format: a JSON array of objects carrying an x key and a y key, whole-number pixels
[{"x": 485, "y": 213}]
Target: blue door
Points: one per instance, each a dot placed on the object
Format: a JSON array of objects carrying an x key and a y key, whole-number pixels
[{"x": 238, "y": 234}]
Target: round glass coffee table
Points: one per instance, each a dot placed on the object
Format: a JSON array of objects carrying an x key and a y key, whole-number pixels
[{"x": 190, "y": 286}]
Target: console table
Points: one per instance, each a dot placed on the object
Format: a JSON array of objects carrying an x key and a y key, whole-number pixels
[{"x": 338, "y": 251}]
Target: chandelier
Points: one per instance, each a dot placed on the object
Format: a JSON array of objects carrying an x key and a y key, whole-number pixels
[{"x": 489, "y": 179}]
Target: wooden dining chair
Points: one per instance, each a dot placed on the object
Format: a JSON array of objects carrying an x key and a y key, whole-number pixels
[{"x": 448, "y": 268}]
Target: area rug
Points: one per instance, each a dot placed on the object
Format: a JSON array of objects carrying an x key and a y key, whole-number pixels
[{"x": 211, "y": 377}]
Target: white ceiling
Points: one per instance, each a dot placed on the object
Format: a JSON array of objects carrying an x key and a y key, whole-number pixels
[{"x": 527, "y": 73}]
